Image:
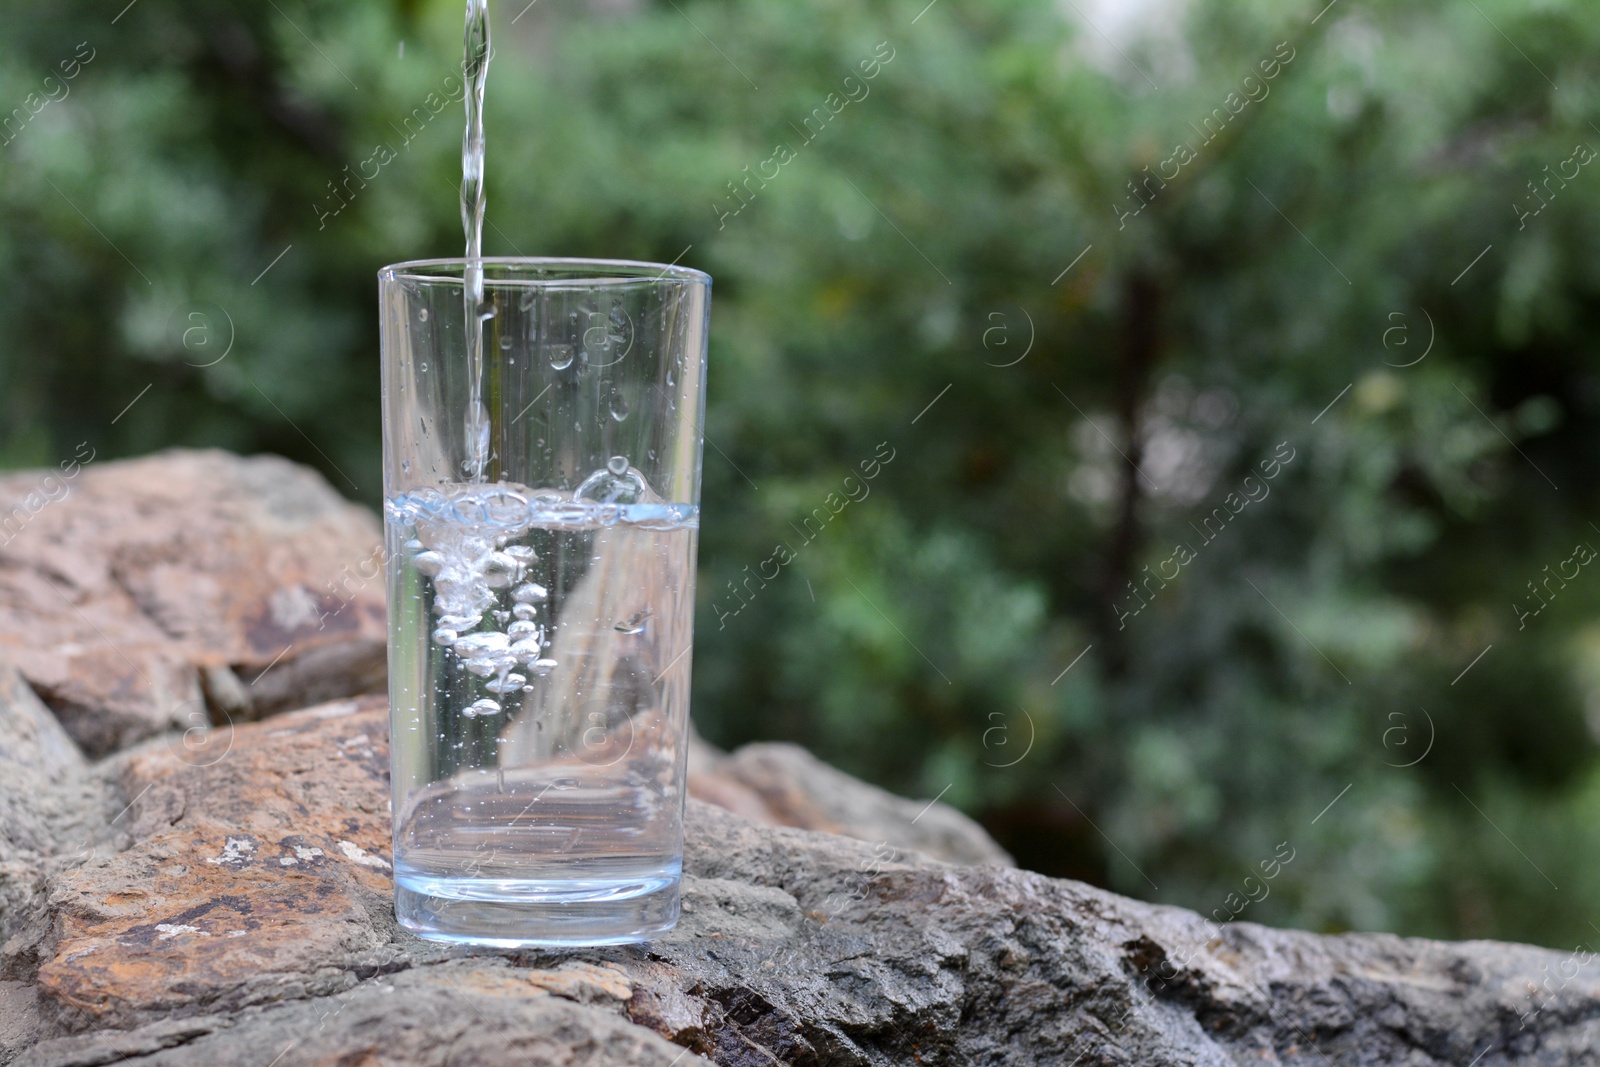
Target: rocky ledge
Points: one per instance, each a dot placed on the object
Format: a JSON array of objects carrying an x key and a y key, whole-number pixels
[{"x": 177, "y": 893}]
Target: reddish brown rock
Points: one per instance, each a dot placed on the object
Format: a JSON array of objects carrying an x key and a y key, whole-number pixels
[
  {"x": 248, "y": 865},
  {"x": 186, "y": 588}
]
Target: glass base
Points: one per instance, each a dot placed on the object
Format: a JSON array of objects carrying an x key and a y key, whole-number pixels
[{"x": 520, "y": 914}]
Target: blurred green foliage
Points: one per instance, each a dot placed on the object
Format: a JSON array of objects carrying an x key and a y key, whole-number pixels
[{"x": 1274, "y": 297}]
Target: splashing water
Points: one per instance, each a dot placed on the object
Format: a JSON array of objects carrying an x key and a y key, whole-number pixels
[{"x": 475, "y": 67}]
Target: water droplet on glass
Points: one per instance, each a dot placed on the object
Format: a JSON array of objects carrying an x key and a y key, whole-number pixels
[
  {"x": 619, "y": 407},
  {"x": 617, "y": 484},
  {"x": 633, "y": 624},
  {"x": 560, "y": 357},
  {"x": 405, "y": 464},
  {"x": 422, "y": 366},
  {"x": 505, "y": 344}
]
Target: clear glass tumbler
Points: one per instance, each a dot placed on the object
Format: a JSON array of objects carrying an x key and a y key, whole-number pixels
[{"x": 542, "y": 516}]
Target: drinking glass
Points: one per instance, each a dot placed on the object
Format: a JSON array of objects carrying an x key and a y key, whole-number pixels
[{"x": 541, "y": 508}]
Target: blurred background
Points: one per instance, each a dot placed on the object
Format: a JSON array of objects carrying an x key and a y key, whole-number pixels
[{"x": 1226, "y": 370}]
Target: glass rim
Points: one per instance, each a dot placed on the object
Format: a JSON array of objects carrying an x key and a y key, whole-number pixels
[{"x": 565, "y": 271}]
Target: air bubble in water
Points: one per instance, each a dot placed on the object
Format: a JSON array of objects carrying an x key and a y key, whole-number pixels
[
  {"x": 500, "y": 570},
  {"x": 530, "y": 593},
  {"x": 445, "y": 636},
  {"x": 509, "y": 684},
  {"x": 481, "y": 707},
  {"x": 422, "y": 316},
  {"x": 544, "y": 666},
  {"x": 521, "y": 628},
  {"x": 428, "y": 563},
  {"x": 522, "y": 553},
  {"x": 524, "y": 611},
  {"x": 476, "y": 646}
]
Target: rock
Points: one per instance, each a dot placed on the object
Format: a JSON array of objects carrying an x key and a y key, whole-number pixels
[
  {"x": 50, "y": 803},
  {"x": 220, "y": 893},
  {"x": 253, "y": 862},
  {"x": 186, "y": 588},
  {"x": 449, "y": 1013},
  {"x": 248, "y": 922},
  {"x": 784, "y": 785}
]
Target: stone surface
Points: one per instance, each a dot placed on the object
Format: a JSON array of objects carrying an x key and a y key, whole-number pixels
[
  {"x": 247, "y": 921},
  {"x": 185, "y": 588},
  {"x": 784, "y": 785},
  {"x": 222, "y": 895},
  {"x": 51, "y": 806}
]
